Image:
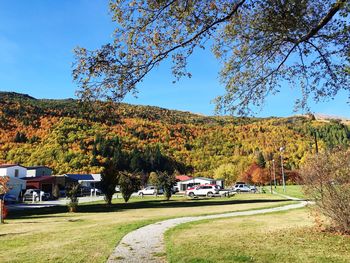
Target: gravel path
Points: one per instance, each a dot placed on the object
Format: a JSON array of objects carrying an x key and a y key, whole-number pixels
[{"x": 146, "y": 244}]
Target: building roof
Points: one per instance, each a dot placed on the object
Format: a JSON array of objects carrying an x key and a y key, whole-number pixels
[
  {"x": 39, "y": 179},
  {"x": 10, "y": 165},
  {"x": 81, "y": 177},
  {"x": 37, "y": 167},
  {"x": 183, "y": 177},
  {"x": 203, "y": 178},
  {"x": 64, "y": 177}
]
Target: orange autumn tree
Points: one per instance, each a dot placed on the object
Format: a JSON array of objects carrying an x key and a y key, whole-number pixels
[
  {"x": 255, "y": 175},
  {"x": 3, "y": 184}
]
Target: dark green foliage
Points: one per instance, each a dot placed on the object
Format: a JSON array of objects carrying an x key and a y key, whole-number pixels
[
  {"x": 334, "y": 134},
  {"x": 261, "y": 160},
  {"x": 136, "y": 161},
  {"x": 109, "y": 180},
  {"x": 110, "y": 148},
  {"x": 34, "y": 139},
  {"x": 166, "y": 182},
  {"x": 72, "y": 193},
  {"x": 20, "y": 138},
  {"x": 154, "y": 158},
  {"x": 129, "y": 183}
]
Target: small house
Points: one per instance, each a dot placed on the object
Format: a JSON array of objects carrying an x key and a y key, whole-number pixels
[
  {"x": 36, "y": 171},
  {"x": 15, "y": 184},
  {"x": 13, "y": 170}
]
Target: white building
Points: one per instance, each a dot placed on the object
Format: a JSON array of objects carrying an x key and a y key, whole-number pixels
[
  {"x": 184, "y": 184},
  {"x": 13, "y": 170},
  {"x": 36, "y": 171},
  {"x": 15, "y": 184}
]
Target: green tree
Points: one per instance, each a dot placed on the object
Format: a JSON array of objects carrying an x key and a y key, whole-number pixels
[
  {"x": 136, "y": 161},
  {"x": 228, "y": 172},
  {"x": 261, "y": 44},
  {"x": 166, "y": 181},
  {"x": 129, "y": 183},
  {"x": 261, "y": 160},
  {"x": 109, "y": 180}
]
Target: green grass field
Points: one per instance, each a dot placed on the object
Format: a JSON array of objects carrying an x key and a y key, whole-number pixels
[
  {"x": 52, "y": 235},
  {"x": 291, "y": 190},
  {"x": 278, "y": 237}
]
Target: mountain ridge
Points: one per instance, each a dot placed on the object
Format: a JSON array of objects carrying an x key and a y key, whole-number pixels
[
  {"x": 318, "y": 116},
  {"x": 67, "y": 135}
]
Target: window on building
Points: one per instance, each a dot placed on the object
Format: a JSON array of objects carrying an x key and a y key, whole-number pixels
[{"x": 16, "y": 172}]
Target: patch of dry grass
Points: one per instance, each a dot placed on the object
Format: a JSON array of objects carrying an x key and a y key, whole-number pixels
[
  {"x": 51, "y": 235},
  {"x": 278, "y": 237}
]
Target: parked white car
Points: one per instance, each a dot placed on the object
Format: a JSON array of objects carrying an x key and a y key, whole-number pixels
[
  {"x": 242, "y": 188},
  {"x": 31, "y": 194},
  {"x": 203, "y": 190},
  {"x": 150, "y": 190}
]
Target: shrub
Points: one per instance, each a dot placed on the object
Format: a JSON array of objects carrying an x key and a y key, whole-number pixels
[
  {"x": 326, "y": 177},
  {"x": 72, "y": 194},
  {"x": 129, "y": 183}
]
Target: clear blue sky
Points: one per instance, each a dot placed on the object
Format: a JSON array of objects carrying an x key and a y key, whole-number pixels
[{"x": 36, "y": 42}]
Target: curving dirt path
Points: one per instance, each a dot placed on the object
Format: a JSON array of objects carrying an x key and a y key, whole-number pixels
[{"x": 146, "y": 244}]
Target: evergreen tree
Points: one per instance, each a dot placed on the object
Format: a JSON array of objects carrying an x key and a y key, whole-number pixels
[
  {"x": 136, "y": 161},
  {"x": 261, "y": 160},
  {"x": 129, "y": 183},
  {"x": 166, "y": 181},
  {"x": 109, "y": 180}
]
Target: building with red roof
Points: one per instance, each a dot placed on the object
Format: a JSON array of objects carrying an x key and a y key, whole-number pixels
[{"x": 183, "y": 177}]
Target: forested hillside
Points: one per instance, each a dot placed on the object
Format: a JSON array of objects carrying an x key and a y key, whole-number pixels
[{"x": 73, "y": 137}]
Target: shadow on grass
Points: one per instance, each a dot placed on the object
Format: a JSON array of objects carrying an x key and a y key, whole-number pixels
[{"x": 59, "y": 211}]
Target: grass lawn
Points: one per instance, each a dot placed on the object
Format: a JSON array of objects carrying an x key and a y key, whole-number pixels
[
  {"x": 52, "y": 235},
  {"x": 291, "y": 190},
  {"x": 278, "y": 237}
]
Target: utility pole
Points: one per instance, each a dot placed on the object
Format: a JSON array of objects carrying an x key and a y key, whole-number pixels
[
  {"x": 316, "y": 144},
  {"x": 283, "y": 180},
  {"x": 270, "y": 178},
  {"x": 274, "y": 173}
]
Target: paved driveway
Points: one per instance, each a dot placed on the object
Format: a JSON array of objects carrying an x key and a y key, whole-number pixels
[{"x": 61, "y": 201}]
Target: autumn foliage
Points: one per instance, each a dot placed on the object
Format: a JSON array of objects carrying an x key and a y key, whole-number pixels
[
  {"x": 255, "y": 175},
  {"x": 326, "y": 178},
  {"x": 72, "y": 137}
]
